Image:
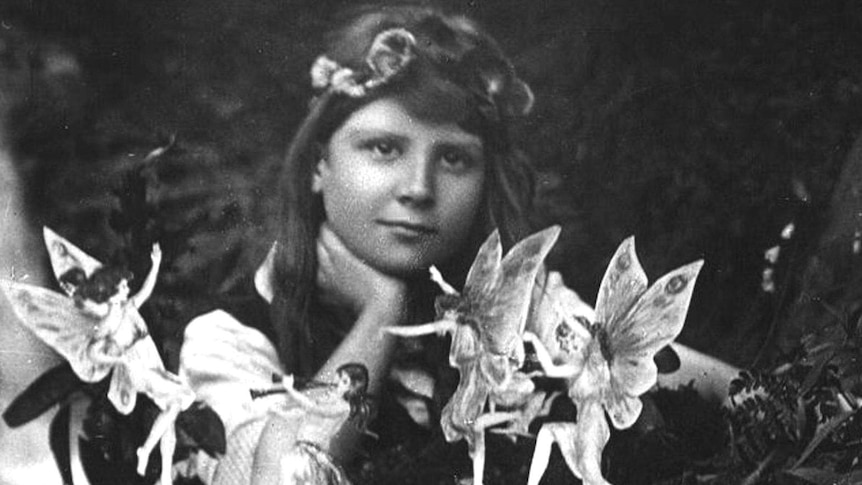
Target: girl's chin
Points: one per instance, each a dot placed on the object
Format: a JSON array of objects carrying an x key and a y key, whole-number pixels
[
  {"x": 404, "y": 269},
  {"x": 403, "y": 265}
]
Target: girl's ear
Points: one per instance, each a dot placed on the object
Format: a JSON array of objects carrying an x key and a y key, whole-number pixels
[
  {"x": 317, "y": 176},
  {"x": 319, "y": 170}
]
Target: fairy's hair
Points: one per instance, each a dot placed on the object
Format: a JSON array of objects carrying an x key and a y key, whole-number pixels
[
  {"x": 457, "y": 74},
  {"x": 99, "y": 287},
  {"x": 357, "y": 395}
]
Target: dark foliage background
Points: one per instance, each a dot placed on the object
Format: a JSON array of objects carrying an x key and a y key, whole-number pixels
[{"x": 703, "y": 128}]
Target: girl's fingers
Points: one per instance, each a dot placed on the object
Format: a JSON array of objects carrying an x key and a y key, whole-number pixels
[{"x": 347, "y": 278}]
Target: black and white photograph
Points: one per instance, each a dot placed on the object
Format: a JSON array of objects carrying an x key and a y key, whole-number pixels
[{"x": 451, "y": 242}]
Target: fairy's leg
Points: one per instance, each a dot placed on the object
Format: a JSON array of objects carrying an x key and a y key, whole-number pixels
[
  {"x": 542, "y": 452},
  {"x": 488, "y": 420},
  {"x": 163, "y": 423},
  {"x": 167, "y": 446},
  {"x": 477, "y": 453},
  {"x": 493, "y": 419},
  {"x": 580, "y": 443}
]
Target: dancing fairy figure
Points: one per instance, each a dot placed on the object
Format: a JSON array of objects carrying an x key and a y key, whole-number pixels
[
  {"x": 608, "y": 362},
  {"x": 486, "y": 322},
  {"x": 97, "y": 328},
  {"x": 295, "y": 445}
]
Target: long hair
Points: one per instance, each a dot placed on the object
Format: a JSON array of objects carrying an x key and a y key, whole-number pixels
[{"x": 442, "y": 84}]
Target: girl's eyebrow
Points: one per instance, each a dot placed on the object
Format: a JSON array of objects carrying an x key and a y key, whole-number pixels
[
  {"x": 462, "y": 141},
  {"x": 361, "y": 132}
]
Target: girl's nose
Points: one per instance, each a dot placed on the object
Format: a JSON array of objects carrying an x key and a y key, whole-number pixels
[{"x": 416, "y": 186}]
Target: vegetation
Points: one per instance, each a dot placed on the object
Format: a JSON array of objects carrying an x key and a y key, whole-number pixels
[{"x": 703, "y": 128}]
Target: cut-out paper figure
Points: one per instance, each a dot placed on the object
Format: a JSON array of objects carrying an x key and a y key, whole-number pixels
[
  {"x": 486, "y": 321},
  {"x": 97, "y": 328},
  {"x": 608, "y": 362},
  {"x": 303, "y": 427}
]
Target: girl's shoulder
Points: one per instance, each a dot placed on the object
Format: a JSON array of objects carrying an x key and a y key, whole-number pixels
[{"x": 244, "y": 304}]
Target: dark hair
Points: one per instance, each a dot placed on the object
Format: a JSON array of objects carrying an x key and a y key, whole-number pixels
[
  {"x": 357, "y": 394},
  {"x": 444, "y": 81},
  {"x": 99, "y": 287}
]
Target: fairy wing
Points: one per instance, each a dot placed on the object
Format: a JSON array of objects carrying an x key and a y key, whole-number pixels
[
  {"x": 624, "y": 281},
  {"x": 122, "y": 392},
  {"x": 484, "y": 273},
  {"x": 503, "y": 314},
  {"x": 129, "y": 377},
  {"x": 635, "y": 336},
  {"x": 65, "y": 256},
  {"x": 56, "y": 320}
]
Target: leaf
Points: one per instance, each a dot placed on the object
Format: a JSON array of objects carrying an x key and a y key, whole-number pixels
[
  {"x": 819, "y": 476},
  {"x": 822, "y": 433},
  {"x": 109, "y": 441},
  {"x": 58, "y": 435},
  {"x": 204, "y": 427},
  {"x": 102, "y": 470},
  {"x": 815, "y": 373},
  {"x": 49, "y": 389}
]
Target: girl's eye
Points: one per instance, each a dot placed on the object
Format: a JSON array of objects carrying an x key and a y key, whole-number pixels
[
  {"x": 456, "y": 160},
  {"x": 383, "y": 149}
]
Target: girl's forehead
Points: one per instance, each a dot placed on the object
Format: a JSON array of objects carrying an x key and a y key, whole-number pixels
[{"x": 391, "y": 116}]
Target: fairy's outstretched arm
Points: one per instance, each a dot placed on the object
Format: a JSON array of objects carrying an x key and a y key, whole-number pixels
[
  {"x": 306, "y": 402},
  {"x": 548, "y": 366},
  {"x": 439, "y": 327},
  {"x": 437, "y": 277},
  {"x": 150, "y": 283}
]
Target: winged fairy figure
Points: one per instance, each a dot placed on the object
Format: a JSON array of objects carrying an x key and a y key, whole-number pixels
[
  {"x": 96, "y": 326},
  {"x": 607, "y": 362},
  {"x": 486, "y": 322}
]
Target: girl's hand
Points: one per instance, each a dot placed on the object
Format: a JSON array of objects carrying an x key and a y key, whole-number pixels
[{"x": 351, "y": 281}]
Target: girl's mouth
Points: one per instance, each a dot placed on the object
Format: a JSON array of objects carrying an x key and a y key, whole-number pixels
[{"x": 409, "y": 228}]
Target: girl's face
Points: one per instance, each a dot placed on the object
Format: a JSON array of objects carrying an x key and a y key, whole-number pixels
[{"x": 401, "y": 192}]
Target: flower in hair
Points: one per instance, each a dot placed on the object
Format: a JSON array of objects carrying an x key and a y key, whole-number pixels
[
  {"x": 499, "y": 86},
  {"x": 390, "y": 53}
]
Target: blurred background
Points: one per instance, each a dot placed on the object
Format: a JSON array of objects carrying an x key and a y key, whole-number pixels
[{"x": 708, "y": 129}]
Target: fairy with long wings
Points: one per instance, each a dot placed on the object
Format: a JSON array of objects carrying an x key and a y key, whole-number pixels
[
  {"x": 607, "y": 363},
  {"x": 486, "y": 321},
  {"x": 97, "y": 328}
]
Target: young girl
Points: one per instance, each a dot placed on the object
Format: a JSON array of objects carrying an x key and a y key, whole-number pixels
[{"x": 404, "y": 161}]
